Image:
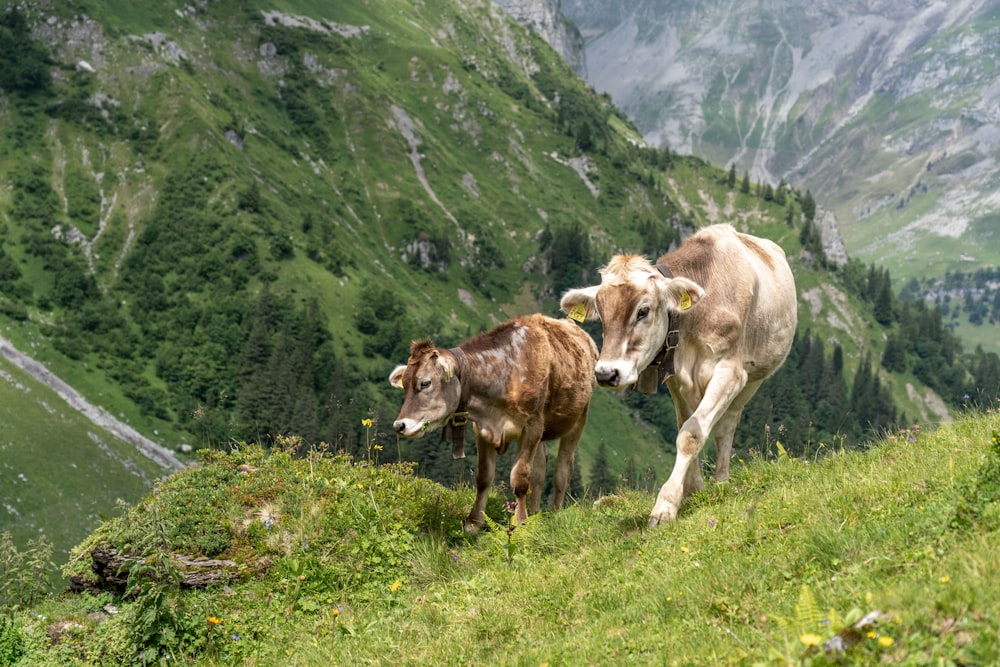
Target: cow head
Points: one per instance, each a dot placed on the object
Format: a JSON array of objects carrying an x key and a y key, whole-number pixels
[
  {"x": 432, "y": 389},
  {"x": 633, "y": 303}
]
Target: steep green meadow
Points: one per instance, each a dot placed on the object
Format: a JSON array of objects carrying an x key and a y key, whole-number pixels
[
  {"x": 66, "y": 481},
  {"x": 341, "y": 562},
  {"x": 225, "y": 223}
]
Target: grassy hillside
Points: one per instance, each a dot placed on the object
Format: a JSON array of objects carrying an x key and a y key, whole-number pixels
[
  {"x": 71, "y": 468},
  {"x": 336, "y": 562},
  {"x": 225, "y": 223}
]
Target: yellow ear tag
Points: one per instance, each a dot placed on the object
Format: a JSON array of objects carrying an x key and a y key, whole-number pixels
[
  {"x": 578, "y": 312},
  {"x": 685, "y": 300},
  {"x": 451, "y": 373}
]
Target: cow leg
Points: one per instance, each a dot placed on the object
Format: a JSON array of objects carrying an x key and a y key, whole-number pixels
[
  {"x": 564, "y": 460},
  {"x": 536, "y": 485},
  {"x": 486, "y": 465},
  {"x": 521, "y": 473},
  {"x": 726, "y": 429},
  {"x": 726, "y": 384}
]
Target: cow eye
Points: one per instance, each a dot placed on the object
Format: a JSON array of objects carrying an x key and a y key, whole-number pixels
[
  {"x": 642, "y": 314},
  {"x": 424, "y": 384}
]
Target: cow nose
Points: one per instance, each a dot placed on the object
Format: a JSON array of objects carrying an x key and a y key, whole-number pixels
[
  {"x": 607, "y": 376},
  {"x": 399, "y": 425}
]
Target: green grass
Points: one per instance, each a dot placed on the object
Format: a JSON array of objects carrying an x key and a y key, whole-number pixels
[
  {"x": 366, "y": 565},
  {"x": 55, "y": 463}
]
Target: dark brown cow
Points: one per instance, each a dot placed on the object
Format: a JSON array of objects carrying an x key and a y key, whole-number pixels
[
  {"x": 724, "y": 305},
  {"x": 529, "y": 379}
]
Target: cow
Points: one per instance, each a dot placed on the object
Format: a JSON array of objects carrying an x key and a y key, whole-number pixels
[
  {"x": 529, "y": 379},
  {"x": 713, "y": 319}
]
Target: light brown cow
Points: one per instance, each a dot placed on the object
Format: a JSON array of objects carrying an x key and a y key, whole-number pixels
[
  {"x": 529, "y": 379},
  {"x": 724, "y": 305}
]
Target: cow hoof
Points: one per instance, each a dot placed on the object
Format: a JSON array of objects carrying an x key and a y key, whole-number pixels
[
  {"x": 664, "y": 516},
  {"x": 471, "y": 528}
]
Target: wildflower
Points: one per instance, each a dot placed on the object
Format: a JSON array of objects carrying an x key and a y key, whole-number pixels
[
  {"x": 810, "y": 639},
  {"x": 684, "y": 549},
  {"x": 945, "y": 579},
  {"x": 336, "y": 612},
  {"x": 235, "y": 636},
  {"x": 367, "y": 423},
  {"x": 886, "y": 641},
  {"x": 711, "y": 522},
  {"x": 377, "y": 448},
  {"x": 212, "y": 620},
  {"x": 510, "y": 506},
  {"x": 395, "y": 586},
  {"x": 870, "y": 634}
]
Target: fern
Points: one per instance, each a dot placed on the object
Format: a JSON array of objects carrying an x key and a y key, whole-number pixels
[
  {"x": 808, "y": 617},
  {"x": 513, "y": 539}
]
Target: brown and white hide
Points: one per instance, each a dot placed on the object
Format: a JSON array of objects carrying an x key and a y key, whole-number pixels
[
  {"x": 529, "y": 380},
  {"x": 731, "y": 299}
]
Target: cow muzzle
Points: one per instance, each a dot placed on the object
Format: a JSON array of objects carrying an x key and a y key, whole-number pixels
[
  {"x": 409, "y": 428},
  {"x": 613, "y": 375}
]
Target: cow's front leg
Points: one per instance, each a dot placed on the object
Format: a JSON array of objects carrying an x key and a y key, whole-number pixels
[
  {"x": 727, "y": 381},
  {"x": 486, "y": 465},
  {"x": 521, "y": 475},
  {"x": 726, "y": 430},
  {"x": 536, "y": 486}
]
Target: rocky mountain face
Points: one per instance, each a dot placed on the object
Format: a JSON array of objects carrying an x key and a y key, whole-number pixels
[
  {"x": 889, "y": 112},
  {"x": 546, "y": 18}
]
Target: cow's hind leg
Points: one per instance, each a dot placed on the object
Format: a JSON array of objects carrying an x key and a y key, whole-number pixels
[
  {"x": 486, "y": 465},
  {"x": 521, "y": 475},
  {"x": 564, "y": 461}
]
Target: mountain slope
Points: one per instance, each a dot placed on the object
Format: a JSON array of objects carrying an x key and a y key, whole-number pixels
[
  {"x": 887, "y": 112},
  {"x": 770, "y": 568},
  {"x": 225, "y": 223}
]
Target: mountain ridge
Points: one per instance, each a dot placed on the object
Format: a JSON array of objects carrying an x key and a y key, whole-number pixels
[{"x": 886, "y": 112}]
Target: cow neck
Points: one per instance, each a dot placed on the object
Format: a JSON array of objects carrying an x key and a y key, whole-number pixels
[
  {"x": 662, "y": 366},
  {"x": 454, "y": 429}
]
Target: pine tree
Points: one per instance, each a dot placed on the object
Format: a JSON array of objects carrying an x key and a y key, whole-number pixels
[
  {"x": 601, "y": 481},
  {"x": 808, "y": 206}
]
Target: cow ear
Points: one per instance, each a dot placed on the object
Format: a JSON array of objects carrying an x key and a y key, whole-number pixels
[
  {"x": 579, "y": 303},
  {"x": 396, "y": 377},
  {"x": 682, "y": 294}
]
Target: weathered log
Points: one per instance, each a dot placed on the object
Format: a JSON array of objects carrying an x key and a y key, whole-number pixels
[{"x": 112, "y": 569}]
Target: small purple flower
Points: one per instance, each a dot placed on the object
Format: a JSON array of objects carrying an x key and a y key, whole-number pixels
[
  {"x": 510, "y": 506},
  {"x": 711, "y": 522},
  {"x": 965, "y": 397},
  {"x": 235, "y": 637}
]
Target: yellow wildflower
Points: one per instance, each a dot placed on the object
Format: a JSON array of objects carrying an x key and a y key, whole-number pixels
[
  {"x": 367, "y": 423},
  {"x": 885, "y": 641},
  {"x": 810, "y": 639},
  {"x": 945, "y": 579},
  {"x": 212, "y": 620},
  {"x": 395, "y": 586}
]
